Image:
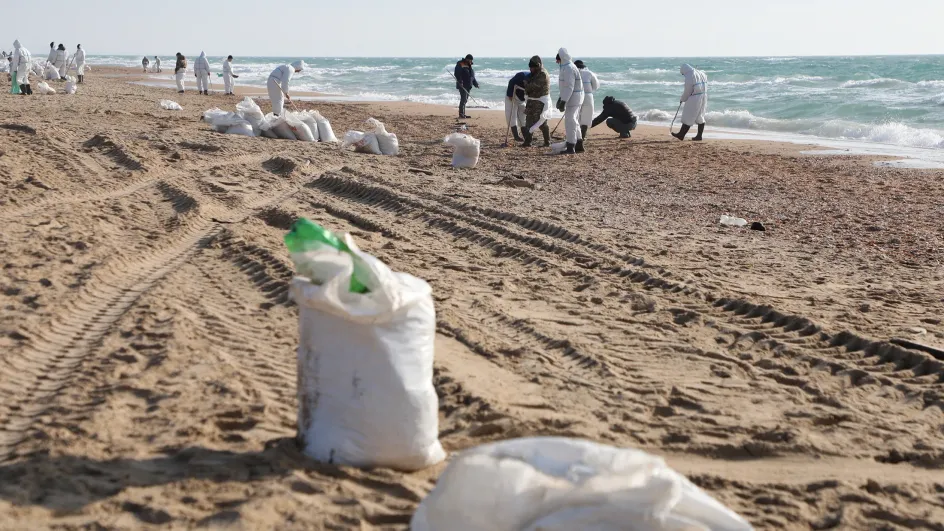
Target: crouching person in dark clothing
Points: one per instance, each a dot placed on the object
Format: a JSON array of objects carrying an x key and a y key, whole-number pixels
[{"x": 619, "y": 117}]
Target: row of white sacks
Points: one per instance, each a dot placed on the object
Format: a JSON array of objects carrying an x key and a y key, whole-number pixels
[
  {"x": 366, "y": 399},
  {"x": 249, "y": 120},
  {"x": 43, "y": 88}
]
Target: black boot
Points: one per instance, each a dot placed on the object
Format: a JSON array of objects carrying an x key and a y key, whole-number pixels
[
  {"x": 29, "y": 89},
  {"x": 682, "y": 132},
  {"x": 514, "y": 132},
  {"x": 701, "y": 130},
  {"x": 570, "y": 149},
  {"x": 579, "y": 147},
  {"x": 583, "y": 132},
  {"x": 22, "y": 90},
  {"x": 546, "y": 131},
  {"x": 528, "y": 138}
]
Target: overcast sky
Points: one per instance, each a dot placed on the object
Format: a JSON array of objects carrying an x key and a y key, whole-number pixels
[{"x": 444, "y": 28}]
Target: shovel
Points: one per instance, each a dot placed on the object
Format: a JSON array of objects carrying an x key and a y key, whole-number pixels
[{"x": 673, "y": 120}]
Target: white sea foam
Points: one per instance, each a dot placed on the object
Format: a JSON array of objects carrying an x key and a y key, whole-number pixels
[{"x": 877, "y": 82}]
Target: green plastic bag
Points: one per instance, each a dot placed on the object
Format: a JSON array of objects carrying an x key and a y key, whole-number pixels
[{"x": 308, "y": 236}]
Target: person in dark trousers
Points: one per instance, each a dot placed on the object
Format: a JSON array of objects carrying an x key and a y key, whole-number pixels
[
  {"x": 619, "y": 117},
  {"x": 514, "y": 103},
  {"x": 537, "y": 88},
  {"x": 465, "y": 80}
]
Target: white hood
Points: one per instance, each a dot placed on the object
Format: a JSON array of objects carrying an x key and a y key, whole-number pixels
[
  {"x": 686, "y": 69},
  {"x": 202, "y": 55},
  {"x": 16, "y": 44},
  {"x": 565, "y": 56},
  {"x": 299, "y": 65}
]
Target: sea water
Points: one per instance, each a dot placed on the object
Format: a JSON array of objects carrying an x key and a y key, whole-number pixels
[{"x": 895, "y": 100}]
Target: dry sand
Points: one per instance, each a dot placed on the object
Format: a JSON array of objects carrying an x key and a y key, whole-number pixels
[{"x": 147, "y": 352}]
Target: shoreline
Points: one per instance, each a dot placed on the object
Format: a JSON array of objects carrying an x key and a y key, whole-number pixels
[{"x": 880, "y": 154}]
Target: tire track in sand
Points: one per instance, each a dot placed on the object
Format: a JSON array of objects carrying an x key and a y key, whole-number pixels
[{"x": 34, "y": 376}]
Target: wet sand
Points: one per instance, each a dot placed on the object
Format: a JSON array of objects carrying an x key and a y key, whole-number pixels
[{"x": 147, "y": 342}]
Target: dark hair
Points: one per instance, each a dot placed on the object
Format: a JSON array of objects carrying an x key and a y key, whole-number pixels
[
  {"x": 557, "y": 58},
  {"x": 468, "y": 57},
  {"x": 579, "y": 64},
  {"x": 230, "y": 57}
]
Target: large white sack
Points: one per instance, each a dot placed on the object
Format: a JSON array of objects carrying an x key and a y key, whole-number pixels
[
  {"x": 311, "y": 122},
  {"x": 277, "y": 125},
  {"x": 51, "y": 73},
  {"x": 299, "y": 128},
  {"x": 38, "y": 69},
  {"x": 71, "y": 85},
  {"x": 252, "y": 113},
  {"x": 389, "y": 145},
  {"x": 222, "y": 120},
  {"x": 170, "y": 105},
  {"x": 466, "y": 152},
  {"x": 325, "y": 132},
  {"x": 365, "y": 368},
  {"x": 362, "y": 142},
  {"x": 558, "y": 484},
  {"x": 243, "y": 129},
  {"x": 44, "y": 88}
]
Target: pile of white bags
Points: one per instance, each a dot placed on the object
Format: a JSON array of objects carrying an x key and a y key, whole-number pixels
[
  {"x": 466, "y": 152},
  {"x": 169, "y": 105},
  {"x": 365, "y": 366},
  {"x": 44, "y": 88},
  {"x": 558, "y": 147},
  {"x": 557, "y": 484},
  {"x": 38, "y": 70},
  {"x": 227, "y": 122},
  {"x": 249, "y": 120},
  {"x": 389, "y": 145},
  {"x": 252, "y": 113},
  {"x": 70, "y": 85},
  {"x": 361, "y": 142}
]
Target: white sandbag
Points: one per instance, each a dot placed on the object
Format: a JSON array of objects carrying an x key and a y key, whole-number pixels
[
  {"x": 51, "y": 73},
  {"x": 38, "y": 70},
  {"x": 277, "y": 125},
  {"x": 71, "y": 85},
  {"x": 299, "y": 128},
  {"x": 170, "y": 105},
  {"x": 311, "y": 122},
  {"x": 558, "y": 484},
  {"x": 244, "y": 129},
  {"x": 325, "y": 132},
  {"x": 44, "y": 88},
  {"x": 252, "y": 113},
  {"x": 389, "y": 145},
  {"x": 365, "y": 368},
  {"x": 222, "y": 120},
  {"x": 558, "y": 148},
  {"x": 466, "y": 152},
  {"x": 362, "y": 142}
]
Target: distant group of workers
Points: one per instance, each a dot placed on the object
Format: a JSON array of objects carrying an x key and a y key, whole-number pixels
[
  {"x": 528, "y": 103},
  {"x": 21, "y": 65},
  {"x": 201, "y": 70}
]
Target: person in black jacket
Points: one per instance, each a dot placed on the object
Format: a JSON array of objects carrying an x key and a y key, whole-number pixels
[
  {"x": 465, "y": 80},
  {"x": 619, "y": 117}
]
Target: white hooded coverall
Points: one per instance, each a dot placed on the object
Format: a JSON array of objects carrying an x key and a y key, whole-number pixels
[
  {"x": 51, "y": 58},
  {"x": 278, "y": 84},
  {"x": 571, "y": 91},
  {"x": 514, "y": 110},
  {"x": 695, "y": 96},
  {"x": 590, "y": 85},
  {"x": 201, "y": 68},
  {"x": 80, "y": 62},
  {"x": 228, "y": 76},
  {"x": 61, "y": 56},
  {"x": 22, "y": 62},
  {"x": 157, "y": 64}
]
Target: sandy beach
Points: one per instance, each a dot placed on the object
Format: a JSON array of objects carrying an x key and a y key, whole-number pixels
[{"x": 147, "y": 341}]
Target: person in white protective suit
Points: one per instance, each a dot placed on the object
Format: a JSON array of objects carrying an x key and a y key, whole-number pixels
[
  {"x": 22, "y": 63},
  {"x": 51, "y": 58},
  {"x": 61, "y": 56},
  {"x": 590, "y": 85},
  {"x": 157, "y": 64},
  {"x": 228, "y": 75},
  {"x": 80, "y": 63},
  {"x": 695, "y": 98},
  {"x": 570, "y": 100},
  {"x": 278, "y": 84},
  {"x": 179, "y": 70},
  {"x": 201, "y": 69}
]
